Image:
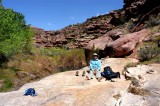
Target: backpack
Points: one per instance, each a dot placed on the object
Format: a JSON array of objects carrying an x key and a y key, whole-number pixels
[
  {"x": 31, "y": 92},
  {"x": 108, "y": 71},
  {"x": 109, "y": 74}
]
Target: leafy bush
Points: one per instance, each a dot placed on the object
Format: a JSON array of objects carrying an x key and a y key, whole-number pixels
[
  {"x": 24, "y": 68},
  {"x": 8, "y": 83},
  {"x": 153, "y": 21},
  {"x": 72, "y": 59},
  {"x": 15, "y": 36},
  {"x": 67, "y": 59},
  {"x": 52, "y": 51},
  {"x": 8, "y": 77},
  {"x": 148, "y": 52},
  {"x": 122, "y": 20},
  {"x": 130, "y": 25},
  {"x": 0, "y": 2}
]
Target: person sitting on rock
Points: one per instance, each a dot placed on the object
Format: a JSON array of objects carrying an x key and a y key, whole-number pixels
[
  {"x": 95, "y": 66},
  {"x": 109, "y": 74}
]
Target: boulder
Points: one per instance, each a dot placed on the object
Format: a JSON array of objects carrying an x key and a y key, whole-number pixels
[
  {"x": 125, "y": 45},
  {"x": 115, "y": 44},
  {"x": 101, "y": 42}
]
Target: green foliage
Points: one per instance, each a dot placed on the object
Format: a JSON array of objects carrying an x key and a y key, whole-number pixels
[
  {"x": 71, "y": 59},
  {"x": 153, "y": 21},
  {"x": 0, "y": 2},
  {"x": 122, "y": 20},
  {"x": 66, "y": 59},
  {"x": 52, "y": 51},
  {"x": 15, "y": 36},
  {"x": 7, "y": 85},
  {"x": 46, "y": 61},
  {"x": 148, "y": 52},
  {"x": 130, "y": 25},
  {"x": 7, "y": 76}
]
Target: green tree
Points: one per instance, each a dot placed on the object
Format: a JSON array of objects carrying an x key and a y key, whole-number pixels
[
  {"x": 0, "y": 2},
  {"x": 15, "y": 35}
]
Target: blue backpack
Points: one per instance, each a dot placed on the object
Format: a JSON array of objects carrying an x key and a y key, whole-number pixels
[
  {"x": 107, "y": 71},
  {"x": 31, "y": 92}
]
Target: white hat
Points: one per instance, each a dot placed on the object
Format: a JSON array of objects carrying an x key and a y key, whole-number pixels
[{"x": 95, "y": 54}]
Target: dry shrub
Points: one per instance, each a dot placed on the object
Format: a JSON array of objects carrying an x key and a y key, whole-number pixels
[
  {"x": 138, "y": 91},
  {"x": 153, "y": 21},
  {"x": 117, "y": 96},
  {"x": 148, "y": 52},
  {"x": 7, "y": 79},
  {"x": 71, "y": 60},
  {"x": 24, "y": 68},
  {"x": 28, "y": 67},
  {"x": 130, "y": 25},
  {"x": 130, "y": 64},
  {"x": 42, "y": 65}
]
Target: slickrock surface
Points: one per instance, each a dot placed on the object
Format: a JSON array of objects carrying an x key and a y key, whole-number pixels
[
  {"x": 66, "y": 89},
  {"x": 150, "y": 82}
]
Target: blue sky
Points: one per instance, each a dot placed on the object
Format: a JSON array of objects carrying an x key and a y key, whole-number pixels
[{"x": 57, "y": 14}]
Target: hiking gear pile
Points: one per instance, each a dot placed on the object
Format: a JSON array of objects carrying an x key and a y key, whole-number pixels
[
  {"x": 109, "y": 74},
  {"x": 31, "y": 92}
]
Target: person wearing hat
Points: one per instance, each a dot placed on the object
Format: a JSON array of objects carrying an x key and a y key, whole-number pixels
[{"x": 95, "y": 66}]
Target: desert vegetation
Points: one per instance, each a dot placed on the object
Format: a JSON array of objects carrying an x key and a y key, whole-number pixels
[
  {"x": 23, "y": 68},
  {"x": 149, "y": 51},
  {"x": 15, "y": 35},
  {"x": 21, "y": 62}
]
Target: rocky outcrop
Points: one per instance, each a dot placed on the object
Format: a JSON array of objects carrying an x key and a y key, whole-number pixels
[
  {"x": 133, "y": 8},
  {"x": 139, "y": 10},
  {"x": 125, "y": 45},
  {"x": 107, "y": 46},
  {"x": 99, "y": 43},
  {"x": 101, "y": 32},
  {"x": 74, "y": 36}
]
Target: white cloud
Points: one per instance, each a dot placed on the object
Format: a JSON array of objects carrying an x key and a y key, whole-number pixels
[
  {"x": 71, "y": 18},
  {"x": 49, "y": 24}
]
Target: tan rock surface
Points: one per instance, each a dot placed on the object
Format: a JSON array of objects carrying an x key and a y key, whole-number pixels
[
  {"x": 150, "y": 82},
  {"x": 66, "y": 89}
]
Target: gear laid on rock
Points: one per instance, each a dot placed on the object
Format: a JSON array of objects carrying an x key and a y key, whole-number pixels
[
  {"x": 83, "y": 74},
  {"x": 77, "y": 73}
]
